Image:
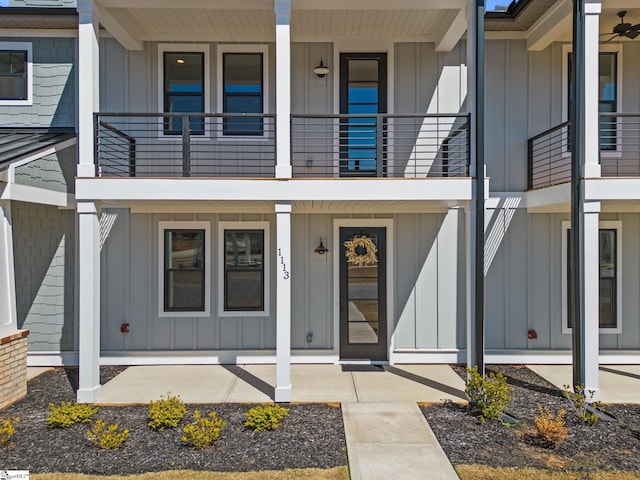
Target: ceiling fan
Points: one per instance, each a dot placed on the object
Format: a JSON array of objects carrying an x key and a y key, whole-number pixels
[{"x": 623, "y": 29}]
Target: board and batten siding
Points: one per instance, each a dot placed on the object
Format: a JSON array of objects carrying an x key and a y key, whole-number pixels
[
  {"x": 428, "y": 293},
  {"x": 54, "y": 86},
  {"x": 524, "y": 281}
]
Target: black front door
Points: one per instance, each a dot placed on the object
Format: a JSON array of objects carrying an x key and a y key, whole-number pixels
[
  {"x": 363, "y": 91},
  {"x": 363, "y": 293}
]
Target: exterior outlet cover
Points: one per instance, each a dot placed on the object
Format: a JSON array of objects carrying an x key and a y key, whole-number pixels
[
  {"x": 532, "y": 334},
  {"x": 124, "y": 328}
]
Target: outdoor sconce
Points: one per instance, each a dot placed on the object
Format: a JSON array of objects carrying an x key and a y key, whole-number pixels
[
  {"x": 321, "y": 249},
  {"x": 321, "y": 70}
]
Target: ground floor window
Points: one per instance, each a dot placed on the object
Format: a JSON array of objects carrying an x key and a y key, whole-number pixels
[
  {"x": 184, "y": 268},
  {"x": 244, "y": 279},
  {"x": 609, "y": 276}
]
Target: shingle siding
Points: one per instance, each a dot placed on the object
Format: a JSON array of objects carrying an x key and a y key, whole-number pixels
[
  {"x": 54, "y": 172},
  {"x": 54, "y": 86},
  {"x": 44, "y": 250}
]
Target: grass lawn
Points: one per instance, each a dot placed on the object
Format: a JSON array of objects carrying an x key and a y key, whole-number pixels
[
  {"x": 481, "y": 472},
  {"x": 338, "y": 473}
]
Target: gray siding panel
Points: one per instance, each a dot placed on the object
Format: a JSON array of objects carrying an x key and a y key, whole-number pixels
[
  {"x": 54, "y": 86},
  {"x": 44, "y": 250}
]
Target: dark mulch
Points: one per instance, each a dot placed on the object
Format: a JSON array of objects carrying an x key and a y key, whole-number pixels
[
  {"x": 466, "y": 440},
  {"x": 311, "y": 436}
]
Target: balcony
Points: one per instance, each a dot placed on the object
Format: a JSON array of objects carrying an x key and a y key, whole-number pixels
[
  {"x": 549, "y": 153},
  {"x": 185, "y": 145},
  {"x": 383, "y": 145},
  {"x": 322, "y": 146}
]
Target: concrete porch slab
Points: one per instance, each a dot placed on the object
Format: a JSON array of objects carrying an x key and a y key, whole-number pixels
[
  {"x": 33, "y": 372},
  {"x": 193, "y": 384},
  {"x": 618, "y": 383}
]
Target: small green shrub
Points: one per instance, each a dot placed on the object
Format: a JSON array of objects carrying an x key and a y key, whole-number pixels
[
  {"x": 107, "y": 436},
  {"x": 166, "y": 413},
  {"x": 489, "y": 394},
  {"x": 203, "y": 431},
  {"x": 68, "y": 413},
  {"x": 579, "y": 399},
  {"x": 7, "y": 429},
  {"x": 549, "y": 427},
  {"x": 265, "y": 417}
]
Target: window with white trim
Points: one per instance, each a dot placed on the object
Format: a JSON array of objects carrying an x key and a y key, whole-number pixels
[
  {"x": 183, "y": 85},
  {"x": 610, "y": 278},
  {"x": 609, "y": 91},
  {"x": 16, "y": 73},
  {"x": 243, "y": 80},
  {"x": 244, "y": 268},
  {"x": 184, "y": 269}
]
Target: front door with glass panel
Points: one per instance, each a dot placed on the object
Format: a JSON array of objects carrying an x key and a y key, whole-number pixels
[
  {"x": 363, "y": 289},
  {"x": 363, "y": 90}
]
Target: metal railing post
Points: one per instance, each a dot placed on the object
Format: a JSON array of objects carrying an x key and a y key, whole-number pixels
[
  {"x": 379, "y": 146},
  {"x": 186, "y": 146}
]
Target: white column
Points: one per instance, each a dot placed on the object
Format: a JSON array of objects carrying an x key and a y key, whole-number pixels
[
  {"x": 283, "y": 302},
  {"x": 88, "y": 85},
  {"x": 8, "y": 312},
  {"x": 283, "y": 88},
  {"x": 591, "y": 301},
  {"x": 592, "y": 87},
  {"x": 89, "y": 300}
]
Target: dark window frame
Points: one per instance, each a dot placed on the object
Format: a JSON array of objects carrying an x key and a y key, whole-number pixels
[
  {"x": 261, "y": 307},
  {"x": 167, "y": 232},
  {"x": 614, "y": 295},
  {"x": 256, "y": 123},
  {"x": 196, "y": 127},
  {"x": 24, "y": 75}
]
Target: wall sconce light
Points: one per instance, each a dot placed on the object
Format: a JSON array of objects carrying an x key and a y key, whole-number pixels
[
  {"x": 321, "y": 249},
  {"x": 321, "y": 70}
]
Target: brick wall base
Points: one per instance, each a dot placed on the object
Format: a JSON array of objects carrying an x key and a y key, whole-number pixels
[{"x": 13, "y": 367}]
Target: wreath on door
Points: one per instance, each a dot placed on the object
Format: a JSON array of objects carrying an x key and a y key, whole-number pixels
[{"x": 361, "y": 251}]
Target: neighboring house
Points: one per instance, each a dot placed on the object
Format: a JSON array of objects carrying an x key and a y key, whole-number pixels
[{"x": 215, "y": 160}]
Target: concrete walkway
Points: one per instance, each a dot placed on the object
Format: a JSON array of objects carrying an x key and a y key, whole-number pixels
[
  {"x": 618, "y": 383},
  {"x": 392, "y": 440}
]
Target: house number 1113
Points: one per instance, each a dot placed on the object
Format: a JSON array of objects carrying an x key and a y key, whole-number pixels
[{"x": 285, "y": 272}]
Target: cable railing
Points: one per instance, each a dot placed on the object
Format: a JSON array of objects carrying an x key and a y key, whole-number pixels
[
  {"x": 549, "y": 153},
  {"x": 380, "y": 145},
  {"x": 185, "y": 145}
]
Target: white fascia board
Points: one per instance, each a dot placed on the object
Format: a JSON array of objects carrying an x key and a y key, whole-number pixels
[
  {"x": 612, "y": 188},
  {"x": 555, "y": 22},
  {"x": 459, "y": 189},
  {"x": 544, "y": 197},
  {"x": 39, "y": 32},
  {"x": 42, "y": 196},
  {"x": 124, "y": 34},
  {"x": 453, "y": 32}
]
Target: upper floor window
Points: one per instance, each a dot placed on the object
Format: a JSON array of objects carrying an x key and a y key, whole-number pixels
[
  {"x": 15, "y": 73},
  {"x": 184, "y": 80},
  {"x": 243, "y": 88},
  {"x": 608, "y": 92}
]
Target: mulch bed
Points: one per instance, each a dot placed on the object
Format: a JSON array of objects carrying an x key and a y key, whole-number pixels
[
  {"x": 466, "y": 440},
  {"x": 311, "y": 436}
]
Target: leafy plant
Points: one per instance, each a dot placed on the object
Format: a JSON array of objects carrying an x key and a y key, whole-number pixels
[
  {"x": 7, "y": 429},
  {"x": 549, "y": 427},
  {"x": 107, "y": 436},
  {"x": 265, "y": 417},
  {"x": 67, "y": 413},
  {"x": 203, "y": 431},
  {"x": 488, "y": 394},
  {"x": 166, "y": 413},
  {"x": 579, "y": 400}
]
